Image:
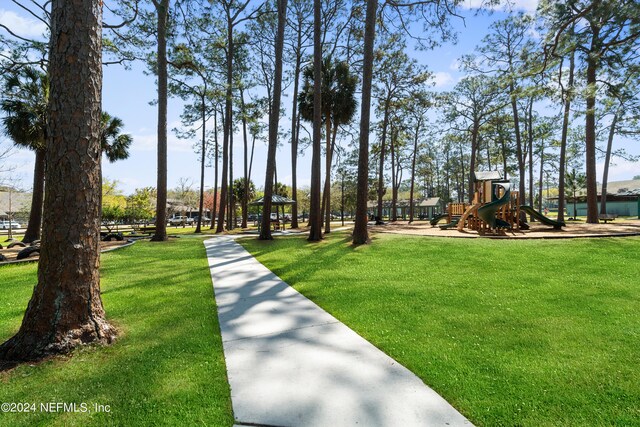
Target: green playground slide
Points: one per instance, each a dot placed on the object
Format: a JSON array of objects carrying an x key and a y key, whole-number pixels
[
  {"x": 543, "y": 219},
  {"x": 488, "y": 212},
  {"x": 453, "y": 223},
  {"x": 437, "y": 218}
]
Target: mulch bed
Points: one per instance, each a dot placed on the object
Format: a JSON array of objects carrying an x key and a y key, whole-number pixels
[
  {"x": 537, "y": 231},
  {"x": 12, "y": 253}
]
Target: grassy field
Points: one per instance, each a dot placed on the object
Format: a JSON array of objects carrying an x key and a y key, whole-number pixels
[
  {"x": 532, "y": 333},
  {"x": 167, "y": 367}
]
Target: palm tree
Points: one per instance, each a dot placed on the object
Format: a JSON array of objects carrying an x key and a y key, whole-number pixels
[
  {"x": 115, "y": 145},
  {"x": 25, "y": 100},
  {"x": 24, "y": 103},
  {"x": 338, "y": 108}
]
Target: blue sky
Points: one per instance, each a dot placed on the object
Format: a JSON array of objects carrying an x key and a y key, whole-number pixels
[{"x": 127, "y": 93}]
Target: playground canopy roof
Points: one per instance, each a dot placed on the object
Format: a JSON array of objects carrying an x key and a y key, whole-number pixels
[
  {"x": 276, "y": 200},
  {"x": 487, "y": 175}
]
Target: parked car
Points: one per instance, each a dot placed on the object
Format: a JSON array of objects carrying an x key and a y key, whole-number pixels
[
  {"x": 180, "y": 220},
  {"x": 4, "y": 225},
  {"x": 205, "y": 219}
]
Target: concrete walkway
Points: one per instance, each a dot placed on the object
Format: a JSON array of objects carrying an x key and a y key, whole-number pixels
[{"x": 290, "y": 363}]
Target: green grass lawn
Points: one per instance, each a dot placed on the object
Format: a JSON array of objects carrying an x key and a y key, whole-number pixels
[
  {"x": 166, "y": 368},
  {"x": 535, "y": 333}
]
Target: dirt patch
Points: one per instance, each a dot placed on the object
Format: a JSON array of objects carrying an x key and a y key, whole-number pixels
[
  {"x": 12, "y": 253},
  {"x": 537, "y": 230}
]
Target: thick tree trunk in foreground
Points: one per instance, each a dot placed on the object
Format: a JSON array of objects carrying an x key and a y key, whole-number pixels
[
  {"x": 66, "y": 310},
  {"x": 162, "y": 8},
  {"x": 360, "y": 232},
  {"x": 35, "y": 217}
]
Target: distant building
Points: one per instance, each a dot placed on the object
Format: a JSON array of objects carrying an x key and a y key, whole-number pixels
[
  {"x": 623, "y": 199},
  {"x": 422, "y": 208},
  {"x": 15, "y": 203}
]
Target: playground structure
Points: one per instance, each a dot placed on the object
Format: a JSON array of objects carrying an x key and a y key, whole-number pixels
[{"x": 495, "y": 206}]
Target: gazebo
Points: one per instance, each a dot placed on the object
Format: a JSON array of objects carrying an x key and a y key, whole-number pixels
[{"x": 276, "y": 200}]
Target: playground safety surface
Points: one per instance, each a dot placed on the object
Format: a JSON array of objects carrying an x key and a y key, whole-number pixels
[{"x": 617, "y": 228}]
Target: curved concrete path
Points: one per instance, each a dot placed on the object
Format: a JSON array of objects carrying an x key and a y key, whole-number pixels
[{"x": 292, "y": 364}]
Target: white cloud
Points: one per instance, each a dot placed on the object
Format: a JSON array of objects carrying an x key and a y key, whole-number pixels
[
  {"x": 442, "y": 79},
  {"x": 149, "y": 142},
  {"x": 24, "y": 27},
  {"x": 528, "y": 6}
]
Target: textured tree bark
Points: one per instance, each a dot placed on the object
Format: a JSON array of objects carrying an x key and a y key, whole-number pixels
[
  {"x": 563, "y": 139},
  {"x": 360, "y": 232},
  {"x": 607, "y": 161},
  {"x": 413, "y": 170},
  {"x": 227, "y": 130},
  {"x": 202, "y": 161},
  {"x": 315, "y": 215},
  {"x": 265, "y": 230},
  {"x": 383, "y": 147},
  {"x": 245, "y": 141},
  {"x": 474, "y": 150},
  {"x": 65, "y": 310},
  {"x": 35, "y": 217},
  {"x": 590, "y": 135},
  {"x": 215, "y": 170},
  {"x": 295, "y": 128},
  {"x": 162, "y": 8}
]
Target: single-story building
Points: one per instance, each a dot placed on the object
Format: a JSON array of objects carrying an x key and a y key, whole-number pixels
[
  {"x": 423, "y": 208},
  {"x": 623, "y": 199}
]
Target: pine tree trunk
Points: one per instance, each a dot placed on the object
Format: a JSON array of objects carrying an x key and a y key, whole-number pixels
[
  {"x": 35, "y": 216},
  {"x": 474, "y": 148},
  {"x": 383, "y": 144},
  {"x": 214, "y": 211},
  {"x": 563, "y": 140},
  {"x": 265, "y": 231},
  {"x": 519, "y": 149},
  {"x": 393, "y": 214},
  {"x": 245, "y": 196},
  {"x": 607, "y": 161},
  {"x": 326, "y": 194},
  {"x": 295, "y": 128},
  {"x": 228, "y": 128},
  {"x": 65, "y": 310},
  {"x": 590, "y": 136},
  {"x": 413, "y": 171},
  {"x": 541, "y": 177},
  {"x": 315, "y": 214},
  {"x": 162, "y": 8},
  {"x": 360, "y": 232},
  {"x": 202, "y": 164},
  {"x": 530, "y": 152}
]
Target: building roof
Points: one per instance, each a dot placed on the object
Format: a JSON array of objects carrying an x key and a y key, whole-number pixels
[
  {"x": 19, "y": 202},
  {"x": 275, "y": 200},
  {"x": 426, "y": 203},
  {"x": 431, "y": 201},
  {"x": 630, "y": 187},
  {"x": 487, "y": 175}
]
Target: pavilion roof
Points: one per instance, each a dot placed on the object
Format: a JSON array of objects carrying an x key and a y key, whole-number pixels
[{"x": 275, "y": 200}]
